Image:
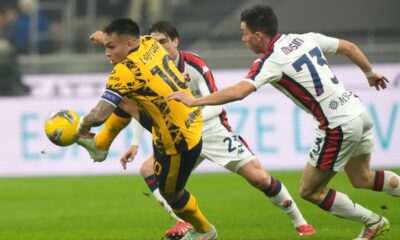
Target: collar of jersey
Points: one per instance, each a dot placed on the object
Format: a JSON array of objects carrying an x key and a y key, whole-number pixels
[
  {"x": 180, "y": 62},
  {"x": 271, "y": 43},
  {"x": 134, "y": 49}
]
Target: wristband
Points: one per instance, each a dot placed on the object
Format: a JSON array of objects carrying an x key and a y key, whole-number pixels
[{"x": 370, "y": 73}]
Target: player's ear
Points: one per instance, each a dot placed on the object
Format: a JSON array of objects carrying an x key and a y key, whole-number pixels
[
  {"x": 175, "y": 42},
  {"x": 259, "y": 35},
  {"x": 132, "y": 42}
]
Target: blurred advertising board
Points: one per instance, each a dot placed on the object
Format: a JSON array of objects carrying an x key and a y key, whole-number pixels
[{"x": 278, "y": 132}]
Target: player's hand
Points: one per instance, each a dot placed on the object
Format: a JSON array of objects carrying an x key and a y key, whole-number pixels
[
  {"x": 82, "y": 129},
  {"x": 378, "y": 81},
  {"x": 97, "y": 38},
  {"x": 129, "y": 155},
  {"x": 87, "y": 135},
  {"x": 182, "y": 97}
]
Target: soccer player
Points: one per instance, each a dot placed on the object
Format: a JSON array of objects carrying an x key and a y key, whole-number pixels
[
  {"x": 220, "y": 143},
  {"x": 143, "y": 77},
  {"x": 295, "y": 64}
]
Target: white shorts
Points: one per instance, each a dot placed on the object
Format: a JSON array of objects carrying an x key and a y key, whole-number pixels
[
  {"x": 226, "y": 149},
  {"x": 332, "y": 148}
]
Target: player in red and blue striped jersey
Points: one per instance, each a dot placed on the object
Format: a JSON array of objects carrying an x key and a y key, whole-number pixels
[
  {"x": 220, "y": 143},
  {"x": 295, "y": 64}
]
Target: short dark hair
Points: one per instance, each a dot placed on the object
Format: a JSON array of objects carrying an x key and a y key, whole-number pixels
[
  {"x": 166, "y": 28},
  {"x": 260, "y": 18},
  {"x": 123, "y": 26}
]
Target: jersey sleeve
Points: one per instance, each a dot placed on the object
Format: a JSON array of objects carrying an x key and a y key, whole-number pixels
[
  {"x": 263, "y": 72},
  {"x": 201, "y": 82},
  {"x": 120, "y": 82},
  {"x": 211, "y": 111},
  {"x": 327, "y": 44},
  {"x": 137, "y": 132}
]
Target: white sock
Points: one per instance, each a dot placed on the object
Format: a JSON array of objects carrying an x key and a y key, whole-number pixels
[
  {"x": 156, "y": 193},
  {"x": 393, "y": 189},
  {"x": 344, "y": 207},
  {"x": 284, "y": 201}
]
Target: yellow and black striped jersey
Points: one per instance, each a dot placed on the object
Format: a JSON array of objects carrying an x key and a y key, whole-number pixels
[{"x": 147, "y": 77}]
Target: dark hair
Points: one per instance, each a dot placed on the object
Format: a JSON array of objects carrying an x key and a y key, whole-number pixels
[
  {"x": 166, "y": 28},
  {"x": 123, "y": 26},
  {"x": 260, "y": 18}
]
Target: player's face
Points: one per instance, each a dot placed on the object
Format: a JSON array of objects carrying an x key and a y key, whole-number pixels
[
  {"x": 252, "y": 40},
  {"x": 171, "y": 46},
  {"x": 117, "y": 47}
]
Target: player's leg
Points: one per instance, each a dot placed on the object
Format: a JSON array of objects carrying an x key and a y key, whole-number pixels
[
  {"x": 232, "y": 152},
  {"x": 361, "y": 176},
  {"x": 147, "y": 172},
  {"x": 358, "y": 167},
  {"x": 181, "y": 227},
  {"x": 118, "y": 120},
  {"x": 313, "y": 188},
  {"x": 277, "y": 194},
  {"x": 331, "y": 152},
  {"x": 172, "y": 173},
  {"x": 99, "y": 145}
]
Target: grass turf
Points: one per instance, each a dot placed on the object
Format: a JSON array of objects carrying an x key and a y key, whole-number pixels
[{"x": 116, "y": 208}]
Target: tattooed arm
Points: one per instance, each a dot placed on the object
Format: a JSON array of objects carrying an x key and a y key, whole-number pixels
[{"x": 96, "y": 116}]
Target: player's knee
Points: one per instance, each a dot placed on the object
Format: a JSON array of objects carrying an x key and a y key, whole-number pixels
[
  {"x": 263, "y": 182},
  {"x": 146, "y": 170},
  {"x": 307, "y": 193},
  {"x": 259, "y": 179}
]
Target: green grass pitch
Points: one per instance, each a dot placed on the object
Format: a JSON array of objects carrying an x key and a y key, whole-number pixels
[{"x": 117, "y": 208}]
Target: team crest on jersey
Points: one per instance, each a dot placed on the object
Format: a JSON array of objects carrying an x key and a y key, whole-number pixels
[
  {"x": 334, "y": 104},
  {"x": 187, "y": 77}
]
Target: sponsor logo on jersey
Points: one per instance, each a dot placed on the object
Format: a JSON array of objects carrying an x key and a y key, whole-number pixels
[
  {"x": 337, "y": 102},
  {"x": 187, "y": 77}
]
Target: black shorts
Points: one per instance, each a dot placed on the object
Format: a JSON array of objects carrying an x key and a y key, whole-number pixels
[
  {"x": 145, "y": 120},
  {"x": 173, "y": 171}
]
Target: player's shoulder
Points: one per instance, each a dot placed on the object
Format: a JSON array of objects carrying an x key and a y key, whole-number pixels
[
  {"x": 122, "y": 70},
  {"x": 146, "y": 38},
  {"x": 193, "y": 58},
  {"x": 304, "y": 36}
]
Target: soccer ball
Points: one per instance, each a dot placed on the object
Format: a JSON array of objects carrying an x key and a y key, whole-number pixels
[{"x": 61, "y": 127}]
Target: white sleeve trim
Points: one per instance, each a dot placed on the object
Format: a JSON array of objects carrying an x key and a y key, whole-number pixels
[
  {"x": 137, "y": 132},
  {"x": 252, "y": 82},
  {"x": 210, "y": 112}
]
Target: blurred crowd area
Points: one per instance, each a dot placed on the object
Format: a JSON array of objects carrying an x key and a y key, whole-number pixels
[
  {"x": 63, "y": 26},
  {"x": 51, "y": 36}
]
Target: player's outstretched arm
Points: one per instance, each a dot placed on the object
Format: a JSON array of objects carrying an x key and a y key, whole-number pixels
[
  {"x": 226, "y": 95},
  {"x": 97, "y": 116},
  {"x": 354, "y": 53}
]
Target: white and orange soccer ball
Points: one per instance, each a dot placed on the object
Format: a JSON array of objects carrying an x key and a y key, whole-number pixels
[{"x": 61, "y": 127}]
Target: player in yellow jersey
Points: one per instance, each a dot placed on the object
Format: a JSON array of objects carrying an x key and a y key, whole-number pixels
[
  {"x": 142, "y": 78},
  {"x": 241, "y": 161}
]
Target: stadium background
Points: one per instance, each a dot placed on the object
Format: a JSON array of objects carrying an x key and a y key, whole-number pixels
[{"x": 47, "y": 63}]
